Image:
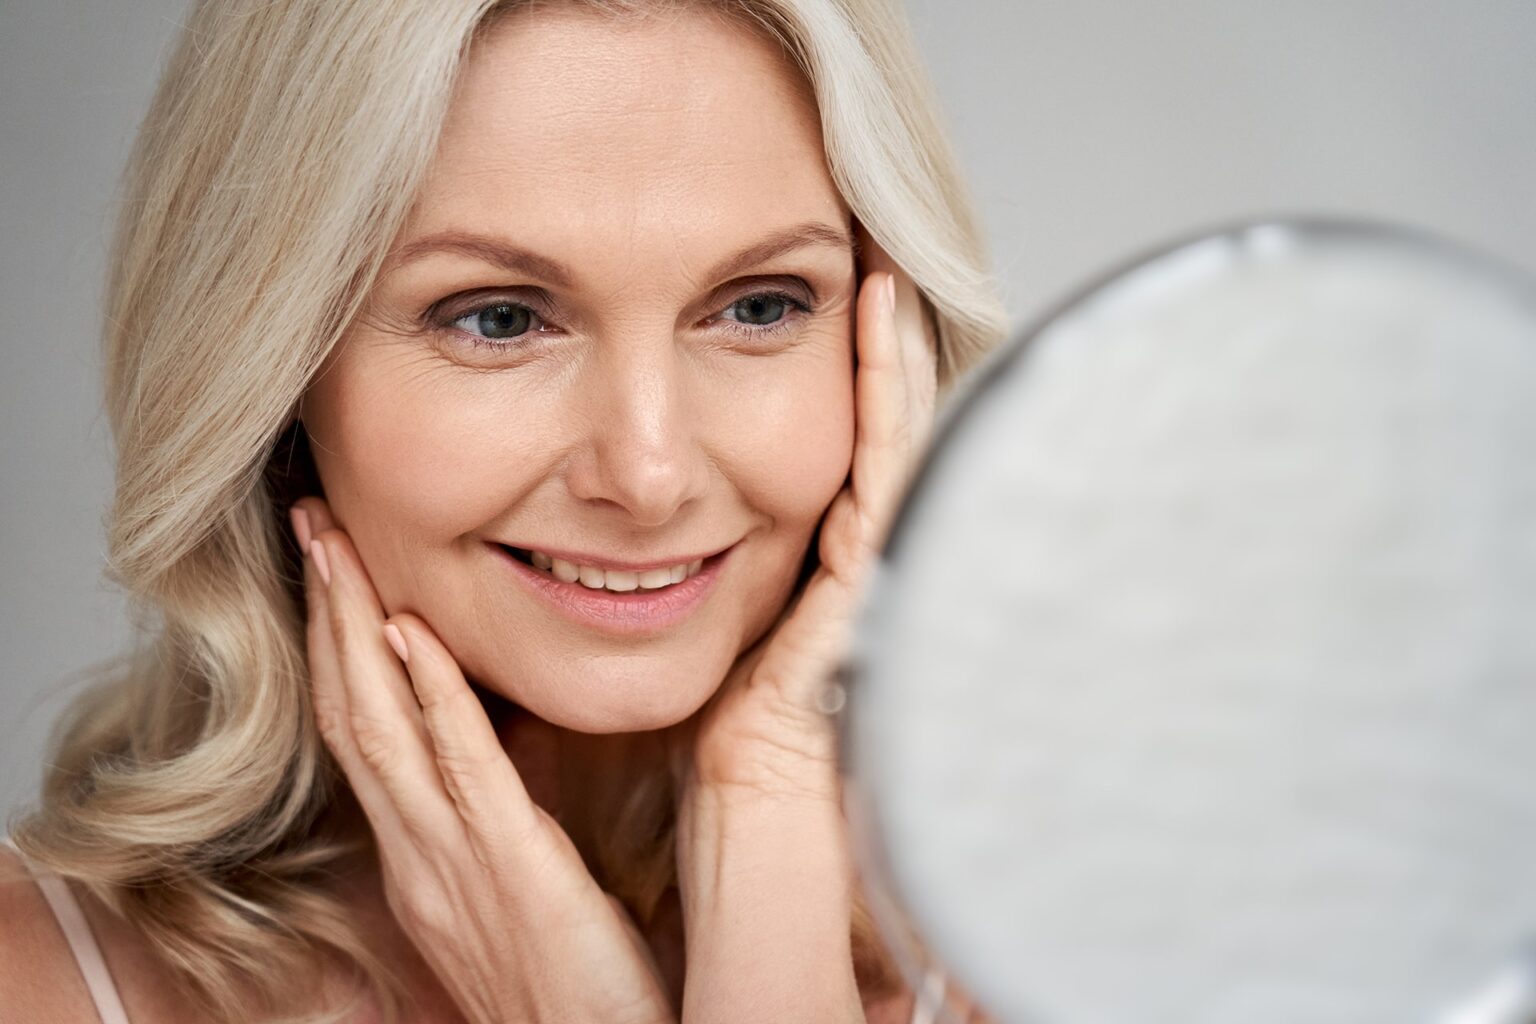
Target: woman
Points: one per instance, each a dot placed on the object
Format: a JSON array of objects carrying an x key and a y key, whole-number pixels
[{"x": 568, "y": 357}]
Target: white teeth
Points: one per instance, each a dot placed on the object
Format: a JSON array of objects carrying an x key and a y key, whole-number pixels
[
  {"x": 653, "y": 578},
  {"x": 617, "y": 580}
]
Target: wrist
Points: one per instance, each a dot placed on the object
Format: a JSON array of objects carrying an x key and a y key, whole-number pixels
[
  {"x": 767, "y": 894},
  {"x": 737, "y": 849},
  {"x": 748, "y": 770}
]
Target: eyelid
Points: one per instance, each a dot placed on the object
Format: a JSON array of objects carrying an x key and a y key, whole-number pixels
[
  {"x": 798, "y": 305},
  {"x": 788, "y": 285},
  {"x": 444, "y": 315},
  {"x": 501, "y": 344},
  {"x": 456, "y": 307},
  {"x": 788, "y": 298}
]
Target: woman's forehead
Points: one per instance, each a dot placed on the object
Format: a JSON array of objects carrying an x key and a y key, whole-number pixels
[{"x": 580, "y": 133}]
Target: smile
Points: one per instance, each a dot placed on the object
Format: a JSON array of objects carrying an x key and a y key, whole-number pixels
[
  {"x": 623, "y": 602},
  {"x": 620, "y": 581}
]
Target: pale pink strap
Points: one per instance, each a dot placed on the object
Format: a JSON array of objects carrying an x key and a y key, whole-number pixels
[
  {"x": 82, "y": 941},
  {"x": 930, "y": 998}
]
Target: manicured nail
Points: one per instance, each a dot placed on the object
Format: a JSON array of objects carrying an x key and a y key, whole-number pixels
[
  {"x": 890, "y": 292},
  {"x": 300, "y": 520},
  {"x": 396, "y": 640},
  {"x": 317, "y": 552}
]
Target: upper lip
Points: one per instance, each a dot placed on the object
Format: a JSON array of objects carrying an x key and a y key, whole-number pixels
[{"x": 605, "y": 563}]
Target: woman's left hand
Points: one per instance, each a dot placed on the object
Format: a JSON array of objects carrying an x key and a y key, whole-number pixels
[
  {"x": 766, "y": 728},
  {"x": 764, "y": 871}
]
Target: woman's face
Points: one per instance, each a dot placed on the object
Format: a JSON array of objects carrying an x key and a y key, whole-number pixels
[{"x": 617, "y": 328}]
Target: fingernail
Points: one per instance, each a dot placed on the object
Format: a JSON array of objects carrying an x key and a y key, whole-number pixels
[
  {"x": 317, "y": 552},
  {"x": 890, "y": 292},
  {"x": 396, "y": 640},
  {"x": 300, "y": 520}
]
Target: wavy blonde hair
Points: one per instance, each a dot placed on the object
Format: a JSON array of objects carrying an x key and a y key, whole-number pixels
[{"x": 190, "y": 790}]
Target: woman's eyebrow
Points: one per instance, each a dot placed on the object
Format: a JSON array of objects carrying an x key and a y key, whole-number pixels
[
  {"x": 500, "y": 252},
  {"x": 780, "y": 242},
  {"x": 485, "y": 248}
]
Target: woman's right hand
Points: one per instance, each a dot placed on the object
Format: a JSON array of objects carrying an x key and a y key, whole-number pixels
[{"x": 486, "y": 884}]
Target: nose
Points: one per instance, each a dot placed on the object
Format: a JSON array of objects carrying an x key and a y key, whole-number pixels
[{"x": 641, "y": 452}]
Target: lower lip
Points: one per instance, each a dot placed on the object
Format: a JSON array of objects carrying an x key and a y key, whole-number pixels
[{"x": 634, "y": 613}]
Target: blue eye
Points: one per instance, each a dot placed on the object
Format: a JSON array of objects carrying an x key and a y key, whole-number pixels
[
  {"x": 500, "y": 321},
  {"x": 760, "y": 310},
  {"x": 763, "y": 312}
]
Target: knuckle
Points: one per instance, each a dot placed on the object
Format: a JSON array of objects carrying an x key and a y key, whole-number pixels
[
  {"x": 330, "y": 724},
  {"x": 421, "y": 909},
  {"x": 316, "y": 627},
  {"x": 418, "y": 820},
  {"x": 465, "y": 776},
  {"x": 447, "y": 703},
  {"x": 374, "y": 744},
  {"x": 342, "y": 640}
]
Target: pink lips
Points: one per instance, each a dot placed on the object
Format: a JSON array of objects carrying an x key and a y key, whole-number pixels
[{"x": 630, "y": 614}]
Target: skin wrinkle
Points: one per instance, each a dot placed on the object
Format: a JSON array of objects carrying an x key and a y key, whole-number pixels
[{"x": 639, "y": 423}]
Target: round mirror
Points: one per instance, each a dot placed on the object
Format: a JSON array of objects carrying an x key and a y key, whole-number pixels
[{"x": 1198, "y": 680}]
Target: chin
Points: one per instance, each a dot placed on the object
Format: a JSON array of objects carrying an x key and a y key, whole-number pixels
[{"x": 623, "y": 695}]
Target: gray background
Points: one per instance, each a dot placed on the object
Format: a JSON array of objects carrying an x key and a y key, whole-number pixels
[{"x": 1090, "y": 129}]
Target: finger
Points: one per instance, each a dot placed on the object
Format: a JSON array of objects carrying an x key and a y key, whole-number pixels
[
  {"x": 329, "y": 701},
  {"x": 914, "y": 323},
  {"x": 918, "y": 341},
  {"x": 479, "y": 777},
  {"x": 357, "y": 612},
  {"x": 876, "y": 260},
  {"x": 882, "y": 440},
  {"x": 383, "y": 720},
  {"x": 642, "y": 948},
  {"x": 920, "y": 360},
  {"x": 310, "y": 514},
  {"x": 859, "y": 516}
]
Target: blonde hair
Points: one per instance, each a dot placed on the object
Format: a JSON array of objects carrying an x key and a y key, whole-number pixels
[{"x": 190, "y": 791}]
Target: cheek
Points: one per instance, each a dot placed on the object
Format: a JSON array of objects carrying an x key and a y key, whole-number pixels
[
  {"x": 788, "y": 433},
  {"x": 412, "y": 459}
]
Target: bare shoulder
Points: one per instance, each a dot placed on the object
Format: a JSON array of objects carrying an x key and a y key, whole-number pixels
[{"x": 39, "y": 980}]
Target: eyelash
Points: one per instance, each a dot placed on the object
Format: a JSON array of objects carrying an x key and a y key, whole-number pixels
[
  {"x": 777, "y": 327},
  {"x": 446, "y": 321}
]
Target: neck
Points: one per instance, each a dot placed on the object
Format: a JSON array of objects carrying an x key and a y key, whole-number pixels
[
  {"x": 605, "y": 791},
  {"x": 589, "y": 783}
]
